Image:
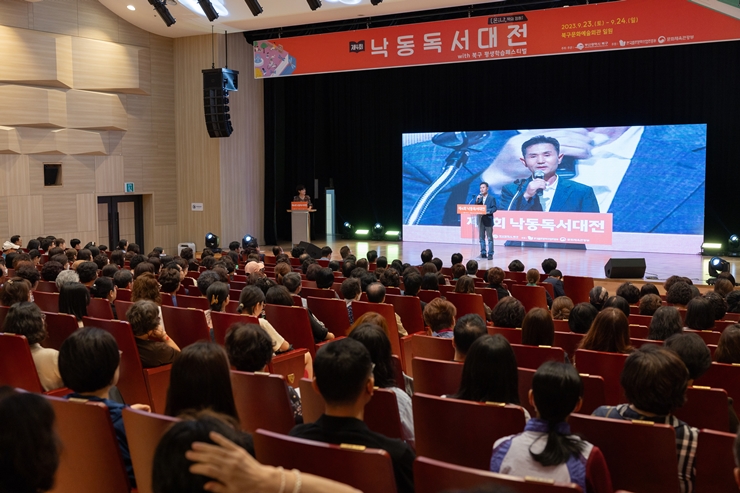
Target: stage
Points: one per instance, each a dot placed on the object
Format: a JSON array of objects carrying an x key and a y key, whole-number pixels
[{"x": 660, "y": 266}]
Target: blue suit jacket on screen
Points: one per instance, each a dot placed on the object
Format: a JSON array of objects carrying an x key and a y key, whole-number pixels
[{"x": 569, "y": 197}]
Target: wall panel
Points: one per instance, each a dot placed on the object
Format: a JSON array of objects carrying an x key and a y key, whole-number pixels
[
  {"x": 110, "y": 67},
  {"x": 26, "y": 215},
  {"x": 15, "y": 13},
  {"x": 35, "y": 58},
  {"x": 109, "y": 175},
  {"x": 55, "y": 16},
  {"x": 32, "y": 107}
]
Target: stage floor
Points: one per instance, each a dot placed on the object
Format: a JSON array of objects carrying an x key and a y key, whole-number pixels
[{"x": 660, "y": 266}]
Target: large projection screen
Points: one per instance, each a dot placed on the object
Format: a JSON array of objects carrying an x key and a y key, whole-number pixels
[{"x": 638, "y": 188}]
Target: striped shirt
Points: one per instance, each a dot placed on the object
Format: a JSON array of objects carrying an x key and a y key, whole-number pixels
[{"x": 686, "y": 439}]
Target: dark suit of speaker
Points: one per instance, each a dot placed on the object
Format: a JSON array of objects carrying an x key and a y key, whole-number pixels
[{"x": 625, "y": 268}]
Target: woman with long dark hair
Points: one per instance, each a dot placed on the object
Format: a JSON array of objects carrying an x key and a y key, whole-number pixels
[
  {"x": 73, "y": 299},
  {"x": 610, "y": 333}
]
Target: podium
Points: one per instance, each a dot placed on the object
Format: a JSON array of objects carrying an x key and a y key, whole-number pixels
[
  {"x": 467, "y": 225},
  {"x": 300, "y": 222}
]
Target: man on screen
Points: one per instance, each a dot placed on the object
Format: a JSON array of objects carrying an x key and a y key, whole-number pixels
[
  {"x": 543, "y": 190},
  {"x": 485, "y": 221}
]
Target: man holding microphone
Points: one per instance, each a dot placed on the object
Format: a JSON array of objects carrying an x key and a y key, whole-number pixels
[{"x": 485, "y": 221}]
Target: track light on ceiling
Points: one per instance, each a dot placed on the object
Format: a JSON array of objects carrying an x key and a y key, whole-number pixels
[
  {"x": 161, "y": 7},
  {"x": 376, "y": 2},
  {"x": 208, "y": 9},
  {"x": 314, "y": 4},
  {"x": 254, "y": 6}
]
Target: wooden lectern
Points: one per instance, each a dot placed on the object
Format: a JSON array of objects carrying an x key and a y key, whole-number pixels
[{"x": 466, "y": 210}]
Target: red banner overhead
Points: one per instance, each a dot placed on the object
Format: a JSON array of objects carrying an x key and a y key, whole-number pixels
[{"x": 596, "y": 27}]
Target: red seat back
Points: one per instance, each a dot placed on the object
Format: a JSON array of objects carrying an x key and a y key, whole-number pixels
[
  {"x": 709, "y": 336},
  {"x": 123, "y": 295},
  {"x": 427, "y": 295},
  {"x": 723, "y": 376},
  {"x": 530, "y": 296},
  {"x": 359, "y": 308},
  {"x": 297, "y": 301},
  {"x": 433, "y": 476},
  {"x": 17, "y": 368},
  {"x": 99, "y": 308},
  {"x": 561, "y": 325},
  {"x": 577, "y": 288},
  {"x": 122, "y": 308},
  {"x": 640, "y": 319},
  {"x": 409, "y": 309},
  {"x": 292, "y": 323},
  {"x": 442, "y": 438},
  {"x": 490, "y": 296},
  {"x": 222, "y": 322},
  {"x": 714, "y": 462},
  {"x": 638, "y": 331},
  {"x": 198, "y": 302},
  {"x": 47, "y": 287},
  {"x": 90, "y": 454},
  {"x": 514, "y": 336},
  {"x": 705, "y": 408},
  {"x": 467, "y": 303},
  {"x": 569, "y": 341},
  {"x": 47, "y": 302},
  {"x": 262, "y": 401},
  {"x": 516, "y": 276},
  {"x": 533, "y": 356},
  {"x": 609, "y": 367},
  {"x": 186, "y": 326},
  {"x": 369, "y": 470},
  {"x": 59, "y": 326},
  {"x": 331, "y": 311},
  {"x": 143, "y": 432},
  {"x": 593, "y": 391},
  {"x": 423, "y": 346},
  {"x": 290, "y": 365},
  {"x": 318, "y": 293},
  {"x": 641, "y": 455},
  {"x": 436, "y": 377}
]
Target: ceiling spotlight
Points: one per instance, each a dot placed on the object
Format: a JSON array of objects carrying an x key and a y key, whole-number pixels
[
  {"x": 130, "y": 7},
  {"x": 314, "y": 4},
  {"x": 161, "y": 7},
  {"x": 254, "y": 6},
  {"x": 208, "y": 9},
  {"x": 376, "y": 2},
  {"x": 717, "y": 265}
]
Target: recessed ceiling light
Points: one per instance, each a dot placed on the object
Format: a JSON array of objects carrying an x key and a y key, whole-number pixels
[{"x": 130, "y": 7}]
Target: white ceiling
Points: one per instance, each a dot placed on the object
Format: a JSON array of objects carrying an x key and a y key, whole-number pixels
[{"x": 276, "y": 13}]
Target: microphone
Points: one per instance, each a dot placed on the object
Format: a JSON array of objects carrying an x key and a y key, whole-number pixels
[{"x": 539, "y": 175}]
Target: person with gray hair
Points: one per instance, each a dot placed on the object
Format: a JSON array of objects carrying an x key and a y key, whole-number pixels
[{"x": 66, "y": 277}]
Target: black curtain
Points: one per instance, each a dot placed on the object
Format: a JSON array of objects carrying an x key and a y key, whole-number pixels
[{"x": 345, "y": 128}]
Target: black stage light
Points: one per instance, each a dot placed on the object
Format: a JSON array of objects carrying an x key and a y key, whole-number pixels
[
  {"x": 212, "y": 241},
  {"x": 314, "y": 4},
  {"x": 249, "y": 241},
  {"x": 378, "y": 230},
  {"x": 733, "y": 246},
  {"x": 718, "y": 265},
  {"x": 347, "y": 230},
  {"x": 254, "y": 6},
  {"x": 161, "y": 7},
  {"x": 208, "y": 9},
  {"x": 376, "y": 2}
]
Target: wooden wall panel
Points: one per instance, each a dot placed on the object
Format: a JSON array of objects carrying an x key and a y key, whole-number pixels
[
  {"x": 4, "y": 229},
  {"x": 84, "y": 142},
  {"x": 14, "y": 13},
  {"x": 35, "y": 58},
  {"x": 133, "y": 171},
  {"x": 161, "y": 180},
  {"x": 55, "y": 16},
  {"x": 110, "y": 67},
  {"x": 87, "y": 212},
  {"x": 10, "y": 141},
  {"x": 109, "y": 175},
  {"x": 95, "y": 111},
  {"x": 138, "y": 139},
  {"x": 17, "y": 177},
  {"x": 166, "y": 238},
  {"x": 96, "y": 21},
  {"x": 78, "y": 175},
  {"x": 42, "y": 140},
  {"x": 242, "y": 154},
  {"x": 32, "y": 107},
  {"x": 60, "y": 212},
  {"x": 132, "y": 35},
  {"x": 25, "y": 216}
]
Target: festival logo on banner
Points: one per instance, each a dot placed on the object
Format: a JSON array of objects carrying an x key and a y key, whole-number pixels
[{"x": 597, "y": 27}]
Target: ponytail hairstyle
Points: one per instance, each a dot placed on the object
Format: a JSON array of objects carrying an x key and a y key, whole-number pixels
[
  {"x": 556, "y": 388},
  {"x": 249, "y": 298},
  {"x": 217, "y": 293}
]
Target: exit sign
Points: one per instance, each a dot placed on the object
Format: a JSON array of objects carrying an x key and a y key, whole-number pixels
[{"x": 129, "y": 187}]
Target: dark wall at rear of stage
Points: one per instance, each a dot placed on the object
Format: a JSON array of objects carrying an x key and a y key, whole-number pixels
[{"x": 347, "y": 127}]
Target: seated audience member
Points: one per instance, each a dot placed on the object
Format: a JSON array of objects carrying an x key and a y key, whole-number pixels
[
  {"x": 490, "y": 373},
  {"x": 561, "y": 307},
  {"x": 438, "y": 263},
  {"x": 376, "y": 294},
  {"x": 649, "y": 288},
  {"x": 466, "y": 285},
  {"x": 66, "y": 277},
  {"x": 109, "y": 270},
  {"x": 533, "y": 277},
  {"x": 25, "y": 318},
  {"x": 312, "y": 269},
  {"x": 51, "y": 270},
  {"x": 89, "y": 363},
  {"x": 116, "y": 257},
  {"x": 426, "y": 256},
  {"x": 217, "y": 295},
  {"x": 456, "y": 258},
  {"x": 156, "y": 348},
  {"x": 723, "y": 286},
  {"x": 281, "y": 269},
  {"x": 629, "y": 292},
  {"x": 619, "y": 303},
  {"x": 29, "y": 445},
  {"x": 538, "y": 328},
  {"x": 62, "y": 259},
  {"x": 390, "y": 278},
  {"x": 30, "y": 274},
  {"x": 733, "y": 302},
  {"x": 324, "y": 278},
  {"x": 555, "y": 277},
  {"x": 279, "y": 295},
  {"x": 581, "y": 317},
  {"x": 73, "y": 299},
  {"x": 351, "y": 291},
  {"x": 610, "y": 333},
  {"x": 548, "y": 265},
  {"x": 516, "y": 265},
  {"x": 719, "y": 304},
  {"x": 468, "y": 329},
  {"x": 546, "y": 448},
  {"x": 123, "y": 279},
  {"x": 206, "y": 279},
  {"x": 649, "y": 303},
  {"x": 203, "y": 451},
  {"x": 598, "y": 296},
  {"x": 373, "y": 318},
  {"x": 699, "y": 314},
  {"x": 508, "y": 313},
  {"x": 458, "y": 271},
  {"x": 15, "y": 290},
  {"x": 430, "y": 282},
  {"x": 412, "y": 285},
  {"x": 654, "y": 381},
  {"x": 679, "y": 294},
  {"x": 169, "y": 283},
  {"x": 728, "y": 348},
  {"x": 472, "y": 268},
  {"x": 428, "y": 268},
  {"x": 104, "y": 288},
  {"x": 101, "y": 260},
  {"x": 292, "y": 282},
  {"x": 666, "y": 322},
  {"x": 695, "y": 354},
  {"x": 363, "y": 264},
  {"x": 250, "y": 349},
  {"x": 377, "y": 343},
  {"x": 439, "y": 317},
  {"x": 344, "y": 378},
  {"x": 203, "y": 366},
  {"x": 495, "y": 277}
]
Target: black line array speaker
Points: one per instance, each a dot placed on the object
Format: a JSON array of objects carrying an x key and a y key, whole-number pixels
[
  {"x": 311, "y": 249},
  {"x": 625, "y": 268},
  {"x": 217, "y": 83}
]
